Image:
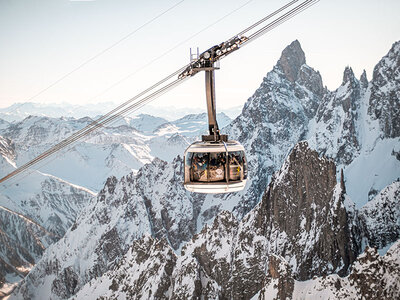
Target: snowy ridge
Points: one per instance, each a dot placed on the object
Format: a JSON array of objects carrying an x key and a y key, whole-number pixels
[
  {"x": 384, "y": 104},
  {"x": 20, "y": 111},
  {"x": 116, "y": 150}
]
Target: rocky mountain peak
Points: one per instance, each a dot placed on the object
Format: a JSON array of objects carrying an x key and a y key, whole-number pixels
[
  {"x": 291, "y": 60},
  {"x": 348, "y": 75}
]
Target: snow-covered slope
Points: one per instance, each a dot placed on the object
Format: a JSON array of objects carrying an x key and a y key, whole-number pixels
[
  {"x": 144, "y": 272},
  {"x": 143, "y": 122},
  {"x": 146, "y": 123},
  {"x": 47, "y": 200},
  {"x": 3, "y": 124}
]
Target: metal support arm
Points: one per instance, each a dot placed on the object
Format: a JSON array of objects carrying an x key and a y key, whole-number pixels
[
  {"x": 211, "y": 105},
  {"x": 215, "y": 135}
]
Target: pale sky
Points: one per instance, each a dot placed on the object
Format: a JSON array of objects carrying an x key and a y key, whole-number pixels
[{"x": 43, "y": 40}]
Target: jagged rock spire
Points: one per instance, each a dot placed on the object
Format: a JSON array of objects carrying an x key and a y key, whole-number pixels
[
  {"x": 291, "y": 60},
  {"x": 342, "y": 182},
  {"x": 348, "y": 75},
  {"x": 364, "y": 79}
]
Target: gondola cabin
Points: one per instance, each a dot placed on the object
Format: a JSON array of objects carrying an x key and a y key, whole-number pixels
[{"x": 215, "y": 167}]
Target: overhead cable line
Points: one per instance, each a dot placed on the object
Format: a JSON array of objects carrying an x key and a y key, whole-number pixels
[
  {"x": 184, "y": 73},
  {"x": 99, "y": 122},
  {"x": 173, "y": 48}
]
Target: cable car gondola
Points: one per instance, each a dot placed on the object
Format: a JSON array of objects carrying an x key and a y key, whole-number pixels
[
  {"x": 214, "y": 164},
  {"x": 215, "y": 167}
]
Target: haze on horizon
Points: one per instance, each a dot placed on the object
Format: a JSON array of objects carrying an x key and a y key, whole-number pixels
[{"x": 44, "y": 40}]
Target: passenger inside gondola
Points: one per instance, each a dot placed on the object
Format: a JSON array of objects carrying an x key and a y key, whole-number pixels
[
  {"x": 199, "y": 167},
  {"x": 236, "y": 166},
  {"x": 217, "y": 167},
  {"x": 213, "y": 167}
]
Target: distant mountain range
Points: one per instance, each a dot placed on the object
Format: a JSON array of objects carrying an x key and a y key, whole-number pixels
[{"x": 19, "y": 111}]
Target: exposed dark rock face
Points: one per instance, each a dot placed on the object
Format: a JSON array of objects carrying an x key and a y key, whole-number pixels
[
  {"x": 7, "y": 148},
  {"x": 385, "y": 94},
  {"x": 64, "y": 286},
  {"x": 292, "y": 59},
  {"x": 377, "y": 277},
  {"x": 300, "y": 218},
  {"x": 304, "y": 202}
]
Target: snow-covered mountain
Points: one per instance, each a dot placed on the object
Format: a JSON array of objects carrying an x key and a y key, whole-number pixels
[
  {"x": 300, "y": 214},
  {"x": 300, "y": 223},
  {"x": 113, "y": 150},
  {"x": 35, "y": 211},
  {"x": 19, "y": 111},
  {"x": 380, "y": 218},
  {"x": 357, "y": 125}
]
